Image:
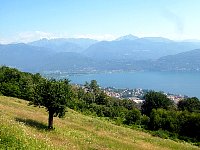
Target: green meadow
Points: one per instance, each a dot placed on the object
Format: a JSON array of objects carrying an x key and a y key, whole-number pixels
[{"x": 25, "y": 127}]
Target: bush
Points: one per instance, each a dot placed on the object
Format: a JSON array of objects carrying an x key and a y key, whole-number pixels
[
  {"x": 118, "y": 120},
  {"x": 165, "y": 120},
  {"x": 190, "y": 125},
  {"x": 161, "y": 134},
  {"x": 145, "y": 121},
  {"x": 133, "y": 117},
  {"x": 184, "y": 124}
]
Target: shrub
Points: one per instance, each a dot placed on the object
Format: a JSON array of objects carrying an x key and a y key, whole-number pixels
[
  {"x": 133, "y": 117},
  {"x": 145, "y": 121}
]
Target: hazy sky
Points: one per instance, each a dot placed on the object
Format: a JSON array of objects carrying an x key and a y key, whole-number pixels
[{"x": 27, "y": 20}]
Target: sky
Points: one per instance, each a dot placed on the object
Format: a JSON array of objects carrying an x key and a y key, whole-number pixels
[{"x": 29, "y": 20}]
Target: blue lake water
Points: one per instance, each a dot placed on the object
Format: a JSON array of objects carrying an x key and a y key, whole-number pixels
[{"x": 173, "y": 82}]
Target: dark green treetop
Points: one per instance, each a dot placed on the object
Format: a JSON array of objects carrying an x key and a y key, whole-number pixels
[
  {"x": 189, "y": 104},
  {"x": 155, "y": 100}
]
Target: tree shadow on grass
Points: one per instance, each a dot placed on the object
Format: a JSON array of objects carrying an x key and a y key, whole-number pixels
[{"x": 32, "y": 123}]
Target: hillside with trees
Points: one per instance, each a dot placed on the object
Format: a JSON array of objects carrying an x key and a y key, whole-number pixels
[
  {"x": 24, "y": 127},
  {"x": 157, "y": 115}
]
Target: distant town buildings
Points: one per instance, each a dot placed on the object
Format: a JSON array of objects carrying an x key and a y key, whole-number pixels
[{"x": 136, "y": 95}]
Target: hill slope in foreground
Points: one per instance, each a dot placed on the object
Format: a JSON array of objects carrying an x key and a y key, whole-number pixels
[{"x": 24, "y": 127}]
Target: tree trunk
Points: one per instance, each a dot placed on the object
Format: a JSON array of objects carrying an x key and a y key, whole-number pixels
[{"x": 50, "y": 125}]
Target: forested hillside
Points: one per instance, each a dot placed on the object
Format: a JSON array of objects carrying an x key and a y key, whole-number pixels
[{"x": 158, "y": 114}]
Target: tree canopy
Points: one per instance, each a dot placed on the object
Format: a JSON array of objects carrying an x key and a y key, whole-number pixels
[
  {"x": 155, "y": 100},
  {"x": 53, "y": 95},
  {"x": 189, "y": 104},
  {"x": 17, "y": 84}
]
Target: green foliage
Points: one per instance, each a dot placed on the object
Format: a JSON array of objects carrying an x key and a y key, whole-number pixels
[
  {"x": 89, "y": 97},
  {"x": 155, "y": 100},
  {"x": 92, "y": 87},
  {"x": 53, "y": 95},
  {"x": 101, "y": 99},
  {"x": 145, "y": 121},
  {"x": 179, "y": 123},
  {"x": 17, "y": 84},
  {"x": 128, "y": 104},
  {"x": 189, "y": 104},
  {"x": 165, "y": 134},
  {"x": 133, "y": 117},
  {"x": 190, "y": 125},
  {"x": 10, "y": 89},
  {"x": 165, "y": 120}
]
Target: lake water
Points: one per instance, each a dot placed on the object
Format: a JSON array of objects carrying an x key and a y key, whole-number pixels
[{"x": 172, "y": 82}]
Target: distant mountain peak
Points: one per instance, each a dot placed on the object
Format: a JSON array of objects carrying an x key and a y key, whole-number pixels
[
  {"x": 64, "y": 44},
  {"x": 127, "y": 37}
]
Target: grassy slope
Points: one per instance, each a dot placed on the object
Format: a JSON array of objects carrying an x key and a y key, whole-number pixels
[{"x": 24, "y": 127}]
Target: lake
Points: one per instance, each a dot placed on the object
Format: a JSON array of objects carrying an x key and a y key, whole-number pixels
[{"x": 183, "y": 83}]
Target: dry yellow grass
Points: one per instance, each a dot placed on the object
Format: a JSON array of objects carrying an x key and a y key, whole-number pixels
[{"x": 75, "y": 131}]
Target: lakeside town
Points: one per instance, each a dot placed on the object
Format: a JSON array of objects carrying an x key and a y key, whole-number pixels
[{"x": 137, "y": 94}]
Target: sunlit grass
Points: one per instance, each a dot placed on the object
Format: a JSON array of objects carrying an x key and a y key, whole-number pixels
[{"x": 25, "y": 127}]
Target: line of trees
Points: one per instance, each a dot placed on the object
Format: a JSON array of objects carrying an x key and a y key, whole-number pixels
[
  {"x": 51, "y": 94},
  {"x": 157, "y": 113}
]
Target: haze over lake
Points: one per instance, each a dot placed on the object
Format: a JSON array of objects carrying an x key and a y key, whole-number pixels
[{"x": 184, "y": 83}]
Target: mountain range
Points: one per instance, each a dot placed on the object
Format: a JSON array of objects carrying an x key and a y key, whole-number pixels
[
  {"x": 186, "y": 61},
  {"x": 64, "y": 45},
  {"x": 87, "y": 55},
  {"x": 138, "y": 49}
]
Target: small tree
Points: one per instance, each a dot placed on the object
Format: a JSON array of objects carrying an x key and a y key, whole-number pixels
[
  {"x": 93, "y": 88},
  {"x": 52, "y": 95}
]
